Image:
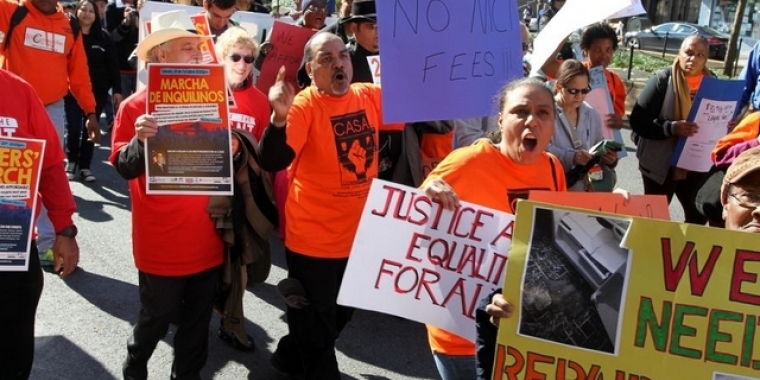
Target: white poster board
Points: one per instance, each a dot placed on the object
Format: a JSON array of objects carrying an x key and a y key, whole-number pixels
[{"x": 413, "y": 259}]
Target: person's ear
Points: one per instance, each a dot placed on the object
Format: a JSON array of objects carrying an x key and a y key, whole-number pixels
[
  {"x": 725, "y": 211},
  {"x": 308, "y": 70}
]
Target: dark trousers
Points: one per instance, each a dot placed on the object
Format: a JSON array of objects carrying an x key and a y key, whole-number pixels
[
  {"x": 79, "y": 150},
  {"x": 185, "y": 300},
  {"x": 685, "y": 189},
  {"x": 19, "y": 296},
  {"x": 310, "y": 346}
]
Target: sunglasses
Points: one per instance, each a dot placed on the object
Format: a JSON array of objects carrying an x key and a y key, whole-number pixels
[
  {"x": 235, "y": 57},
  {"x": 576, "y": 91}
]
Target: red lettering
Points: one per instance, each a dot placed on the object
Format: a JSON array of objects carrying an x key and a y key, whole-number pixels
[
  {"x": 457, "y": 290},
  {"x": 513, "y": 370},
  {"x": 424, "y": 216},
  {"x": 388, "y": 199},
  {"x": 477, "y": 223},
  {"x": 697, "y": 279},
  {"x": 397, "y": 283},
  {"x": 739, "y": 276},
  {"x": 505, "y": 233},
  {"x": 533, "y": 359},
  {"x": 425, "y": 283},
  {"x": 414, "y": 245},
  {"x": 385, "y": 271}
]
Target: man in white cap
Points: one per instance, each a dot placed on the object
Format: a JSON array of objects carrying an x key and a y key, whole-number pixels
[{"x": 176, "y": 249}]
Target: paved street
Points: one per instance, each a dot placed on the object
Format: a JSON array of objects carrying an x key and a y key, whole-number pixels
[{"x": 83, "y": 322}]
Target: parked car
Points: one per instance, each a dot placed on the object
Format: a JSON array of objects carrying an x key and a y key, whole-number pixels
[{"x": 655, "y": 37}]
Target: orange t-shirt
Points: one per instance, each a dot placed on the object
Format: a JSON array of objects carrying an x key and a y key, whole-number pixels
[
  {"x": 434, "y": 147},
  {"x": 617, "y": 90},
  {"x": 335, "y": 142},
  {"x": 481, "y": 174},
  {"x": 694, "y": 82}
]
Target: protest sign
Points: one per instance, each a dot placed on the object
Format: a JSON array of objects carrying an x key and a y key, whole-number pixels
[
  {"x": 416, "y": 260},
  {"x": 258, "y": 25},
  {"x": 598, "y": 296},
  {"x": 203, "y": 29},
  {"x": 574, "y": 15},
  {"x": 715, "y": 105},
  {"x": 20, "y": 166},
  {"x": 635, "y": 8},
  {"x": 374, "y": 66},
  {"x": 645, "y": 206},
  {"x": 190, "y": 154},
  {"x": 434, "y": 51},
  {"x": 287, "y": 50},
  {"x": 599, "y": 98}
]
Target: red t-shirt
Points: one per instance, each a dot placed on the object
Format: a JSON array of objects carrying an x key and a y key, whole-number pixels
[
  {"x": 22, "y": 115},
  {"x": 172, "y": 235},
  {"x": 251, "y": 111}
]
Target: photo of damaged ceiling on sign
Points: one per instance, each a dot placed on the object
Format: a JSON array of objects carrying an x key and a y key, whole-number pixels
[{"x": 575, "y": 278}]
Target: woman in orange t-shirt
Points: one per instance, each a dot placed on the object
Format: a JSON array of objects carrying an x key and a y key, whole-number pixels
[{"x": 483, "y": 173}]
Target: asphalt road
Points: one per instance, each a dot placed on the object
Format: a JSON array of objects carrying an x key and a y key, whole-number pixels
[{"x": 84, "y": 321}]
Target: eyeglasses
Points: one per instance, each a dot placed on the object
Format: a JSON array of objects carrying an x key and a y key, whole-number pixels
[
  {"x": 525, "y": 46},
  {"x": 235, "y": 57},
  {"x": 747, "y": 200},
  {"x": 576, "y": 91},
  {"x": 316, "y": 9}
]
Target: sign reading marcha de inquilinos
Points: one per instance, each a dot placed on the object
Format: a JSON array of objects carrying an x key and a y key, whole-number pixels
[
  {"x": 598, "y": 296},
  {"x": 191, "y": 153},
  {"x": 414, "y": 259},
  {"x": 20, "y": 166}
]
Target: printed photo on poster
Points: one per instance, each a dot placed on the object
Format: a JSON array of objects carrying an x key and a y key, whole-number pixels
[{"x": 574, "y": 281}]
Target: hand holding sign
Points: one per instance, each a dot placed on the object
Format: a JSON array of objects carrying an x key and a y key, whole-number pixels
[{"x": 281, "y": 96}]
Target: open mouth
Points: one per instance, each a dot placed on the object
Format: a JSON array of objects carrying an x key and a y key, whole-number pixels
[
  {"x": 339, "y": 76},
  {"x": 529, "y": 143}
]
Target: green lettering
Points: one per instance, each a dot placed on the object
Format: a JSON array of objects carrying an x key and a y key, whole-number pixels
[
  {"x": 648, "y": 322},
  {"x": 714, "y": 335},
  {"x": 748, "y": 341},
  {"x": 681, "y": 330}
]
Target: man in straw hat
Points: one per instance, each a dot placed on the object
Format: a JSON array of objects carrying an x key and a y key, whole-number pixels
[{"x": 176, "y": 249}]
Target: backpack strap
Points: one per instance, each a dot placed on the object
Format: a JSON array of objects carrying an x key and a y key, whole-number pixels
[
  {"x": 16, "y": 18},
  {"x": 21, "y": 12}
]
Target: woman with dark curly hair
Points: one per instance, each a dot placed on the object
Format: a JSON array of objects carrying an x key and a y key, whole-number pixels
[{"x": 599, "y": 42}]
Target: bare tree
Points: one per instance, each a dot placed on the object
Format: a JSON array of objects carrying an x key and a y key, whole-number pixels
[{"x": 732, "y": 51}]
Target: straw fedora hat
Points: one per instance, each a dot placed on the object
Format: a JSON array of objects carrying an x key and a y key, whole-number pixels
[{"x": 165, "y": 27}]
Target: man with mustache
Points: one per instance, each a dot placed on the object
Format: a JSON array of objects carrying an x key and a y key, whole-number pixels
[
  {"x": 175, "y": 245},
  {"x": 332, "y": 130}
]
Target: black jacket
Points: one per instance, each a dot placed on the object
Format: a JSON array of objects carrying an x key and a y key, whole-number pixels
[
  {"x": 125, "y": 37},
  {"x": 102, "y": 62}
]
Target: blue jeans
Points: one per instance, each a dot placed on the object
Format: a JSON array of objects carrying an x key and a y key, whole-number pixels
[{"x": 455, "y": 367}]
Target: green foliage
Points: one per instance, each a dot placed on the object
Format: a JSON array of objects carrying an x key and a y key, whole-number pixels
[{"x": 641, "y": 61}]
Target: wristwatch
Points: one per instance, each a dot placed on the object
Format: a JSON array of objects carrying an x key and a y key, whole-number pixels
[{"x": 69, "y": 232}]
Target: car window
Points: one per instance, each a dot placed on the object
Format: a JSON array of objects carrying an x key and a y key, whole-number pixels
[
  {"x": 688, "y": 29},
  {"x": 662, "y": 28}
]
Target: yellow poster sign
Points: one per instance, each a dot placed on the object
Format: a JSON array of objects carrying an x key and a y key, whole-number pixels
[{"x": 599, "y": 296}]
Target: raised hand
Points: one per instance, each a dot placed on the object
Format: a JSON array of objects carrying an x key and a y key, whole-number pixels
[{"x": 281, "y": 96}]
